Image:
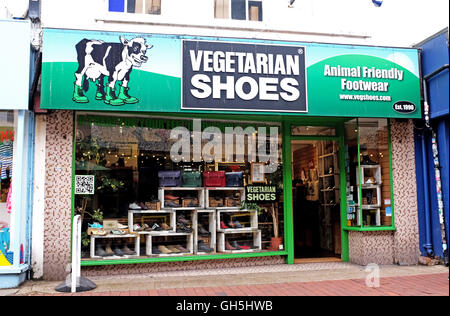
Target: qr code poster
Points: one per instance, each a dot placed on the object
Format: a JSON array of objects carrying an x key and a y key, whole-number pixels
[{"x": 84, "y": 184}]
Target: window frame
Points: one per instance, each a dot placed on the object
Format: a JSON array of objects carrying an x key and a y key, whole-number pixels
[
  {"x": 125, "y": 8},
  {"x": 247, "y": 14}
]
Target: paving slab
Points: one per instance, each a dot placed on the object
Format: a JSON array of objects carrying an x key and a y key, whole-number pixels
[{"x": 232, "y": 277}]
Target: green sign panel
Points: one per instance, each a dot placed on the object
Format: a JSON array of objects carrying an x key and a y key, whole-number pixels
[{"x": 108, "y": 71}]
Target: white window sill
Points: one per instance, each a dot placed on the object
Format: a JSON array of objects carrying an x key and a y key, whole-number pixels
[{"x": 213, "y": 23}]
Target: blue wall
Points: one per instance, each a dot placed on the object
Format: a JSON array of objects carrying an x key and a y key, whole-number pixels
[{"x": 435, "y": 54}]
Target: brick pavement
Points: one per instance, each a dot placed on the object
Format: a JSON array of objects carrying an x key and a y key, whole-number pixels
[{"x": 436, "y": 284}]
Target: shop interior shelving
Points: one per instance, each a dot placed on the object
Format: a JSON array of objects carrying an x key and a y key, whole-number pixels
[
  {"x": 224, "y": 190},
  {"x": 370, "y": 183},
  {"x": 328, "y": 174},
  {"x": 221, "y": 240},
  {"x": 112, "y": 236},
  {"x": 253, "y": 214},
  {"x": 153, "y": 214},
  {"x": 211, "y": 228},
  {"x": 189, "y": 243},
  {"x": 200, "y": 195}
]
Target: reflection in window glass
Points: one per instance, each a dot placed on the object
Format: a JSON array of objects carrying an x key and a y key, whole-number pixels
[
  {"x": 313, "y": 130},
  {"x": 135, "y": 174}
]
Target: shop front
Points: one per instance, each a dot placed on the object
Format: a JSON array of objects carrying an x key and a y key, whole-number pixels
[
  {"x": 178, "y": 151},
  {"x": 16, "y": 148}
]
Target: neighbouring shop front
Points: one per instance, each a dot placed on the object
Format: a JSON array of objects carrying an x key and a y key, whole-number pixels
[
  {"x": 199, "y": 149},
  {"x": 16, "y": 150}
]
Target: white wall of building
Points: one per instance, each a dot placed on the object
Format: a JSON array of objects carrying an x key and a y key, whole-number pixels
[{"x": 395, "y": 23}]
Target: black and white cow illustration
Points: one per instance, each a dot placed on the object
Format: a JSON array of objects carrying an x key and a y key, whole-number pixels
[{"x": 97, "y": 60}]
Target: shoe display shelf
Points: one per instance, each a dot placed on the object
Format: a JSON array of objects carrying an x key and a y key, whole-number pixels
[
  {"x": 200, "y": 195},
  {"x": 230, "y": 211},
  {"x": 225, "y": 190},
  {"x": 189, "y": 244},
  {"x": 150, "y": 213},
  {"x": 212, "y": 229},
  {"x": 328, "y": 174},
  {"x": 111, "y": 236},
  {"x": 221, "y": 241},
  {"x": 369, "y": 193}
]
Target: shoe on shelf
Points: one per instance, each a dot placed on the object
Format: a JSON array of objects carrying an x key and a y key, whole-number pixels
[
  {"x": 134, "y": 206},
  {"x": 228, "y": 246},
  {"x": 127, "y": 251},
  {"x": 164, "y": 249},
  {"x": 147, "y": 228},
  {"x": 164, "y": 226},
  {"x": 181, "y": 248},
  {"x": 99, "y": 251},
  {"x": 245, "y": 247},
  {"x": 223, "y": 226},
  {"x": 202, "y": 231},
  {"x": 181, "y": 228},
  {"x": 142, "y": 205},
  {"x": 109, "y": 251},
  {"x": 171, "y": 197},
  {"x": 201, "y": 246},
  {"x": 173, "y": 249},
  {"x": 235, "y": 245},
  {"x": 137, "y": 228},
  {"x": 99, "y": 232},
  {"x": 118, "y": 232},
  {"x": 236, "y": 224},
  {"x": 156, "y": 227},
  {"x": 171, "y": 204},
  {"x": 120, "y": 226},
  {"x": 155, "y": 251},
  {"x": 183, "y": 220},
  {"x": 118, "y": 252},
  {"x": 95, "y": 225}
]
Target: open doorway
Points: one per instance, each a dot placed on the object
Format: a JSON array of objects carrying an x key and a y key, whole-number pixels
[{"x": 316, "y": 200}]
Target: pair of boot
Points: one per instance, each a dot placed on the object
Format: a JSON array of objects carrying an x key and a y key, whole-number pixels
[{"x": 109, "y": 96}]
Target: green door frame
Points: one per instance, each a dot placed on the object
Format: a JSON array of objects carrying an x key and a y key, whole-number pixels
[{"x": 287, "y": 185}]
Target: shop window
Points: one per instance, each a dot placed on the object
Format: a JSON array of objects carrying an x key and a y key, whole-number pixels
[
  {"x": 7, "y": 132},
  {"x": 149, "y": 187},
  {"x": 238, "y": 10},
  {"x": 369, "y": 200},
  {"x": 135, "y": 6}
]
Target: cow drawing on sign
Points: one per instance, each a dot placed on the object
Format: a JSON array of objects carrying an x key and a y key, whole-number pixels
[{"x": 97, "y": 60}]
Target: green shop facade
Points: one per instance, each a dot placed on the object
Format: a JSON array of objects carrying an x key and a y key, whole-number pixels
[{"x": 183, "y": 148}]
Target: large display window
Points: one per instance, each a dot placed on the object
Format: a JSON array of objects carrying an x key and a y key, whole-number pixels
[
  {"x": 368, "y": 174},
  {"x": 15, "y": 179},
  {"x": 152, "y": 187}
]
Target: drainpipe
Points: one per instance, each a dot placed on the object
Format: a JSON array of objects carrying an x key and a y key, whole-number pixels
[
  {"x": 437, "y": 166},
  {"x": 428, "y": 241}
]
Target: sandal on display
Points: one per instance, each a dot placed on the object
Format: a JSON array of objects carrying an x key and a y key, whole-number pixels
[
  {"x": 95, "y": 225},
  {"x": 99, "y": 232}
]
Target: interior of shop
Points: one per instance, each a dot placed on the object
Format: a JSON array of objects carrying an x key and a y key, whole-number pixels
[{"x": 316, "y": 199}]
